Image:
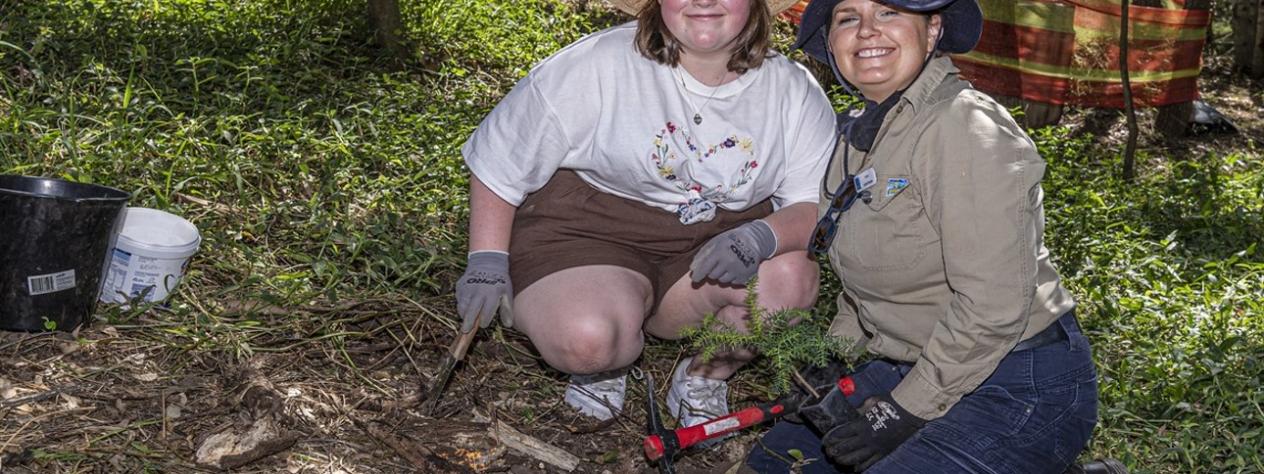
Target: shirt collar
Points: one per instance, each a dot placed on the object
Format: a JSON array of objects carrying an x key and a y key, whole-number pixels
[{"x": 936, "y": 71}]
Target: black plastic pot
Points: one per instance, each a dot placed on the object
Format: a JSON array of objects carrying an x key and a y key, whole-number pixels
[{"x": 54, "y": 239}]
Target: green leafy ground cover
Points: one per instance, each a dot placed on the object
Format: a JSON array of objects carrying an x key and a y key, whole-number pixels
[{"x": 323, "y": 176}]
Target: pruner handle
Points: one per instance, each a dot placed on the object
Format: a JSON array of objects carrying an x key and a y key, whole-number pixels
[{"x": 658, "y": 446}]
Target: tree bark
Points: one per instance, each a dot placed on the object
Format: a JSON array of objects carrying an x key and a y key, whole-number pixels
[
  {"x": 388, "y": 27},
  {"x": 1246, "y": 37},
  {"x": 1257, "y": 47},
  {"x": 1130, "y": 150}
]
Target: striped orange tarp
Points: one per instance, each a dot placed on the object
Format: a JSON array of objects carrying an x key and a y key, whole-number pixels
[{"x": 1067, "y": 51}]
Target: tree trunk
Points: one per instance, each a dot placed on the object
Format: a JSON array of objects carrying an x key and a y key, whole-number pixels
[
  {"x": 1246, "y": 37},
  {"x": 1130, "y": 150},
  {"x": 388, "y": 27},
  {"x": 1257, "y": 47}
]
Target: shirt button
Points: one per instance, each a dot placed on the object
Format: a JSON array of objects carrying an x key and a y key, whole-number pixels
[
  {"x": 899, "y": 109},
  {"x": 942, "y": 407}
]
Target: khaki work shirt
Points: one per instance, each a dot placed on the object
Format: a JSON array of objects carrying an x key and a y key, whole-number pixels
[{"x": 946, "y": 266}]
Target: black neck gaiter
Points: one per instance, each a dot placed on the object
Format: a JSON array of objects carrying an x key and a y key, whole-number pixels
[{"x": 864, "y": 130}]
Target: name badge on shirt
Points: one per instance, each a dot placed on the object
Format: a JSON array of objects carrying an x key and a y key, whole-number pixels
[
  {"x": 865, "y": 179},
  {"x": 697, "y": 209}
]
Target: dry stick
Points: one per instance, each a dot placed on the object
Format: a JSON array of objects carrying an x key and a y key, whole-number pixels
[
  {"x": 436, "y": 316},
  {"x": 52, "y": 414},
  {"x": 1130, "y": 150},
  {"x": 798, "y": 378},
  {"x": 31, "y": 398},
  {"x": 396, "y": 445},
  {"x": 533, "y": 447},
  {"x": 412, "y": 345},
  {"x": 24, "y": 339},
  {"x": 412, "y": 398},
  {"x": 215, "y": 206}
]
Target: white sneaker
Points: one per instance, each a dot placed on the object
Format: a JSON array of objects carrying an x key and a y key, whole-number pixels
[
  {"x": 693, "y": 400},
  {"x": 599, "y": 395}
]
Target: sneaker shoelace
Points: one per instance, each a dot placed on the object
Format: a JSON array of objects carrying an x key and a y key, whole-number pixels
[
  {"x": 602, "y": 389},
  {"x": 605, "y": 386}
]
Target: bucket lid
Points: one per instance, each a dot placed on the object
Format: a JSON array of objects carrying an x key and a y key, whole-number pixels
[
  {"x": 32, "y": 186},
  {"x": 158, "y": 233}
]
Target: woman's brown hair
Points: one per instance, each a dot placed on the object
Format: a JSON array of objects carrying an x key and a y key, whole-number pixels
[{"x": 656, "y": 42}]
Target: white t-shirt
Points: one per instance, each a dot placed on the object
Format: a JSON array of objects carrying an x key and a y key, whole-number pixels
[{"x": 623, "y": 123}]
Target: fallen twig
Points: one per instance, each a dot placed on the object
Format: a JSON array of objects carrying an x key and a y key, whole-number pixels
[
  {"x": 384, "y": 438},
  {"x": 533, "y": 447},
  {"x": 215, "y": 206},
  {"x": 39, "y": 397}
]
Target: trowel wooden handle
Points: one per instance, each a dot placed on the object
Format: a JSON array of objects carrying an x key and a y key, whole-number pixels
[{"x": 462, "y": 344}]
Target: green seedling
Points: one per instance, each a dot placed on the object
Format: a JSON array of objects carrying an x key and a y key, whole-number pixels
[{"x": 786, "y": 339}]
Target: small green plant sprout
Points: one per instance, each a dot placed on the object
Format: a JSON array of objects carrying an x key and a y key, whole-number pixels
[
  {"x": 786, "y": 339},
  {"x": 49, "y": 325}
]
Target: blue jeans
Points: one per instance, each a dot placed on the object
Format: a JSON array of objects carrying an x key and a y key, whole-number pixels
[{"x": 1034, "y": 414}]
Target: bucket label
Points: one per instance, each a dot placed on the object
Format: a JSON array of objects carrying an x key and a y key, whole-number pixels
[{"x": 51, "y": 283}]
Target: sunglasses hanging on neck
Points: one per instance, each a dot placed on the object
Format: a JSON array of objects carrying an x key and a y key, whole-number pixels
[{"x": 843, "y": 197}]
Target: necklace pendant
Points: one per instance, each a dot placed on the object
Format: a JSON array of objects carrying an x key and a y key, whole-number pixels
[{"x": 697, "y": 119}]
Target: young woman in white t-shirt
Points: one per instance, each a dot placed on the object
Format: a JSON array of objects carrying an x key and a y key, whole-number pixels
[{"x": 634, "y": 182}]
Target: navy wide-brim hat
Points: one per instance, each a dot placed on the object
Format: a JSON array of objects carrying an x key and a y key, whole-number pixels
[{"x": 962, "y": 20}]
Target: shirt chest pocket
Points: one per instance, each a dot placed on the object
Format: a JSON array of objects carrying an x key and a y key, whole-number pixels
[{"x": 889, "y": 232}]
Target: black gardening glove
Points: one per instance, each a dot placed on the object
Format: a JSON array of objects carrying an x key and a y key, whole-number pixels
[{"x": 883, "y": 425}]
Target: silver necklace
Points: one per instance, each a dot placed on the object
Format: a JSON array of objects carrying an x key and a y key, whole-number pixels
[{"x": 684, "y": 91}]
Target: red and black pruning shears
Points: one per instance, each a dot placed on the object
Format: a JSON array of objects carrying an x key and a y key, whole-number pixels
[{"x": 663, "y": 445}]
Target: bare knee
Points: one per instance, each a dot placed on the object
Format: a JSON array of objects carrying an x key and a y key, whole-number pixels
[
  {"x": 587, "y": 319},
  {"x": 791, "y": 280},
  {"x": 591, "y": 345}
]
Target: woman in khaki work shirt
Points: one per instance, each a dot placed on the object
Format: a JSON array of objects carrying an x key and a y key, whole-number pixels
[{"x": 932, "y": 217}]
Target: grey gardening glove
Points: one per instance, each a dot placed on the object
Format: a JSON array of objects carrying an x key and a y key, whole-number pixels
[
  {"x": 733, "y": 256},
  {"x": 484, "y": 289}
]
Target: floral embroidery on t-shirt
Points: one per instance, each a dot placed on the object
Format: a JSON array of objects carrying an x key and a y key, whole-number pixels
[{"x": 699, "y": 200}]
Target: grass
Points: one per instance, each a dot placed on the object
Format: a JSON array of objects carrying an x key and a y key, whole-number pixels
[
  {"x": 1171, "y": 288},
  {"x": 324, "y": 176}
]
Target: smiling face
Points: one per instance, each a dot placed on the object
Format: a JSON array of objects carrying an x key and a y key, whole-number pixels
[
  {"x": 706, "y": 27},
  {"x": 880, "y": 49}
]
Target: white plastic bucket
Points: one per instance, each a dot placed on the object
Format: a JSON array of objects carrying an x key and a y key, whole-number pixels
[{"x": 150, "y": 256}]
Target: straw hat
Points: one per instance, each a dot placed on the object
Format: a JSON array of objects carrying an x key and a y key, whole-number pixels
[{"x": 632, "y": 7}]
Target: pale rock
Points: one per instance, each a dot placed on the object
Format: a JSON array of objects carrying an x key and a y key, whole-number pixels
[
  {"x": 229, "y": 449},
  {"x": 7, "y": 390},
  {"x": 173, "y": 411}
]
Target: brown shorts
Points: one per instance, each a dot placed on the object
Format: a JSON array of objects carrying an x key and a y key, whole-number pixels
[{"x": 568, "y": 223}]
